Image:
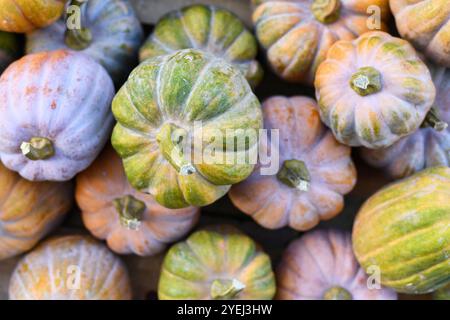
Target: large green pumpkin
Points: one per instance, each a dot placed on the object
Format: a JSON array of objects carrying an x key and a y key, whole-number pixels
[
  {"x": 158, "y": 109},
  {"x": 9, "y": 48},
  {"x": 404, "y": 231}
]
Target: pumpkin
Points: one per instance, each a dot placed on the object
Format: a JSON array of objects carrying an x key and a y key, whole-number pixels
[
  {"x": 311, "y": 176},
  {"x": 110, "y": 33},
  {"x": 403, "y": 230},
  {"x": 443, "y": 293},
  {"x": 210, "y": 29},
  {"x": 29, "y": 211},
  {"x": 9, "y": 48},
  {"x": 176, "y": 117},
  {"x": 70, "y": 267},
  {"x": 216, "y": 264},
  {"x": 429, "y": 146},
  {"x": 56, "y": 117},
  {"x": 321, "y": 266},
  {"x": 374, "y": 90},
  {"x": 130, "y": 221},
  {"x": 298, "y": 33}
]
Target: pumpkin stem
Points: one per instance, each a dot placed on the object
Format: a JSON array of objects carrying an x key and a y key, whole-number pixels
[
  {"x": 294, "y": 174},
  {"x": 337, "y": 293},
  {"x": 434, "y": 120},
  {"x": 226, "y": 289},
  {"x": 77, "y": 37},
  {"x": 366, "y": 80},
  {"x": 130, "y": 211},
  {"x": 38, "y": 148},
  {"x": 326, "y": 11}
]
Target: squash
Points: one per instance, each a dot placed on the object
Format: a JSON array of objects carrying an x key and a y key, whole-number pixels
[
  {"x": 403, "y": 230},
  {"x": 321, "y": 266},
  {"x": 9, "y": 48},
  {"x": 185, "y": 121},
  {"x": 309, "y": 179},
  {"x": 298, "y": 33},
  {"x": 374, "y": 90},
  {"x": 70, "y": 267},
  {"x": 425, "y": 24},
  {"x": 130, "y": 221},
  {"x": 110, "y": 33},
  {"x": 443, "y": 293},
  {"x": 207, "y": 28},
  {"x": 216, "y": 264},
  {"x": 56, "y": 117},
  {"x": 429, "y": 146},
  {"x": 27, "y": 15},
  {"x": 29, "y": 211}
]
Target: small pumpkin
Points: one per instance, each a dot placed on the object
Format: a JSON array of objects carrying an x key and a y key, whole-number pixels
[
  {"x": 56, "y": 116},
  {"x": 9, "y": 48},
  {"x": 298, "y": 33},
  {"x": 171, "y": 112},
  {"x": 313, "y": 173},
  {"x": 374, "y": 90},
  {"x": 29, "y": 211},
  {"x": 443, "y": 293},
  {"x": 403, "y": 230},
  {"x": 70, "y": 268},
  {"x": 216, "y": 264},
  {"x": 130, "y": 221},
  {"x": 110, "y": 33}
]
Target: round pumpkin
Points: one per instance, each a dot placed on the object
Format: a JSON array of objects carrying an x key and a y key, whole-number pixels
[
  {"x": 374, "y": 90},
  {"x": 56, "y": 116},
  {"x": 298, "y": 33},
  {"x": 311, "y": 176},
  {"x": 29, "y": 211},
  {"x": 110, "y": 33},
  {"x": 175, "y": 111},
  {"x": 443, "y": 293},
  {"x": 130, "y": 221},
  {"x": 70, "y": 268},
  {"x": 216, "y": 264},
  {"x": 404, "y": 231},
  {"x": 9, "y": 48}
]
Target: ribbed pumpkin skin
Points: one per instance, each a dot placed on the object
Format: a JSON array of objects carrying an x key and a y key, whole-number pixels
[
  {"x": 190, "y": 267},
  {"x": 27, "y": 15},
  {"x": 296, "y": 42},
  {"x": 48, "y": 272},
  {"x": 29, "y": 211},
  {"x": 105, "y": 181},
  {"x": 274, "y": 204},
  {"x": 380, "y": 119},
  {"x": 210, "y": 29},
  {"x": 319, "y": 261},
  {"x": 181, "y": 89},
  {"x": 425, "y": 24},
  {"x": 403, "y": 229},
  {"x": 9, "y": 48},
  {"x": 62, "y": 96}
]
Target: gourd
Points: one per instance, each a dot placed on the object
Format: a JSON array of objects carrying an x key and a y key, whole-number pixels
[
  {"x": 425, "y": 24},
  {"x": 374, "y": 90},
  {"x": 129, "y": 221},
  {"x": 70, "y": 267},
  {"x": 29, "y": 211},
  {"x": 9, "y": 48},
  {"x": 207, "y": 28},
  {"x": 403, "y": 230},
  {"x": 184, "y": 122},
  {"x": 298, "y": 33},
  {"x": 110, "y": 33},
  {"x": 216, "y": 264},
  {"x": 27, "y": 15},
  {"x": 321, "y": 266},
  {"x": 443, "y": 293},
  {"x": 56, "y": 117},
  {"x": 313, "y": 172}
]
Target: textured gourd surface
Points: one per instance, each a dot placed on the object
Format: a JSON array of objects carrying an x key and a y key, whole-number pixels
[
  {"x": 9, "y": 48},
  {"x": 443, "y": 293}
]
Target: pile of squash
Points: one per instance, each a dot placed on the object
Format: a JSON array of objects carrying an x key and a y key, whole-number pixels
[{"x": 95, "y": 117}]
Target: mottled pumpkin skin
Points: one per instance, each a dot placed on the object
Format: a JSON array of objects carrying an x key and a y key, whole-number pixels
[
  {"x": 296, "y": 42},
  {"x": 210, "y": 29},
  {"x": 302, "y": 136},
  {"x": 104, "y": 182},
  {"x": 403, "y": 229},
  {"x": 380, "y": 119},
  {"x": 62, "y": 96},
  {"x": 49, "y": 272},
  {"x": 9, "y": 48},
  {"x": 443, "y": 293},
  {"x": 29, "y": 211},
  {"x": 183, "y": 89},
  {"x": 190, "y": 267}
]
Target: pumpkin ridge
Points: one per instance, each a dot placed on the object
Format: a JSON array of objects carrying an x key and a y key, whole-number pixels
[
  {"x": 107, "y": 281},
  {"x": 163, "y": 46},
  {"x": 19, "y": 9},
  {"x": 136, "y": 110}
]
